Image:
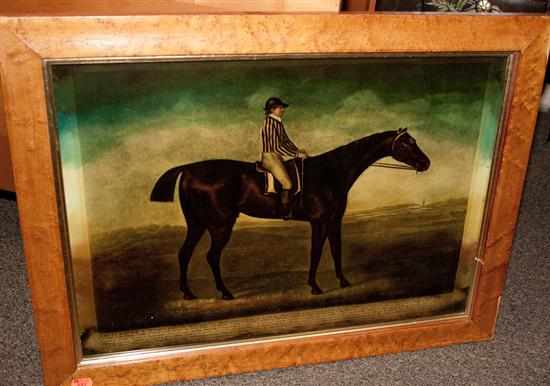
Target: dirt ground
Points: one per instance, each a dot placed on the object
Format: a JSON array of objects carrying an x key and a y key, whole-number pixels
[{"x": 394, "y": 253}]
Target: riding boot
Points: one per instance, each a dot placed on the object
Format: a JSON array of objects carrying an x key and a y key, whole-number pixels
[{"x": 286, "y": 212}]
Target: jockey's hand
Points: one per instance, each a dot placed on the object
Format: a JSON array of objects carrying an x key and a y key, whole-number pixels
[{"x": 302, "y": 153}]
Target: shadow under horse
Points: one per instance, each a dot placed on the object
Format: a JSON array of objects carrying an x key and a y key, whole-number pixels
[{"x": 213, "y": 192}]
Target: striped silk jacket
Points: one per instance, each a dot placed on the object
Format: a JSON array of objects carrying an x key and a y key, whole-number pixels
[{"x": 275, "y": 139}]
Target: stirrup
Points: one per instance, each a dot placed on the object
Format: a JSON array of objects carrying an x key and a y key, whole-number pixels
[
  {"x": 288, "y": 216},
  {"x": 286, "y": 210}
]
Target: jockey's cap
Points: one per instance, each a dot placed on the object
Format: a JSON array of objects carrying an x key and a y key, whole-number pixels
[{"x": 274, "y": 102}]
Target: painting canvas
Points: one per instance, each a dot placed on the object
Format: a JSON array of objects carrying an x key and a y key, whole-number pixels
[{"x": 181, "y": 232}]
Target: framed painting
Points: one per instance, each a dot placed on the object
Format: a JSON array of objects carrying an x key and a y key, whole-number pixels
[{"x": 211, "y": 194}]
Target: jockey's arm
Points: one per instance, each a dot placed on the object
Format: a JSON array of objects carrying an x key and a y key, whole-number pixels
[{"x": 288, "y": 147}]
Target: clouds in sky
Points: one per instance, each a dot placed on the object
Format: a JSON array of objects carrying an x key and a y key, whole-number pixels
[{"x": 155, "y": 120}]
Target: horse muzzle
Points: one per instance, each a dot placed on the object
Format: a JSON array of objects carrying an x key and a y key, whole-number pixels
[{"x": 423, "y": 166}]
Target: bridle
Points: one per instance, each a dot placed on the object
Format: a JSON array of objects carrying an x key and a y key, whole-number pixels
[
  {"x": 395, "y": 140},
  {"x": 392, "y": 165}
]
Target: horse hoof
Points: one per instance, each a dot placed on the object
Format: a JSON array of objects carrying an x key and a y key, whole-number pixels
[
  {"x": 189, "y": 296},
  {"x": 227, "y": 296},
  {"x": 344, "y": 283},
  {"x": 316, "y": 291}
]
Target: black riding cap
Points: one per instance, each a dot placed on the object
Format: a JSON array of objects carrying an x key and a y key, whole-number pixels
[{"x": 274, "y": 102}]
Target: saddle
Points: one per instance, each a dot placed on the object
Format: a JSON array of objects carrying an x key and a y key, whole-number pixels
[{"x": 294, "y": 168}]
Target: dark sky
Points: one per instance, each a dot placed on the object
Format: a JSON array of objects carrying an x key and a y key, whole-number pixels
[{"x": 115, "y": 101}]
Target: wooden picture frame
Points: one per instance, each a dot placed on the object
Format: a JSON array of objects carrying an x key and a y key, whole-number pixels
[
  {"x": 29, "y": 42},
  {"x": 165, "y": 7},
  {"x": 6, "y": 175}
]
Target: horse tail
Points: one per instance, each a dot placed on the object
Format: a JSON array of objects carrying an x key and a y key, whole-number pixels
[{"x": 163, "y": 191}]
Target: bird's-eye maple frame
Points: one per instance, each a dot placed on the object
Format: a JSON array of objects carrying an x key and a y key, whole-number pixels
[{"x": 27, "y": 43}]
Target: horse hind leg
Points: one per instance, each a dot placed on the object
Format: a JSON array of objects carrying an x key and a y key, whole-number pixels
[
  {"x": 194, "y": 234},
  {"x": 220, "y": 237}
]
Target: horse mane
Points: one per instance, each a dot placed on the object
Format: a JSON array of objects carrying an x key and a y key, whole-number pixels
[{"x": 358, "y": 144}]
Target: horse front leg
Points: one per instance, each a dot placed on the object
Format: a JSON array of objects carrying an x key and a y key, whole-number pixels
[
  {"x": 335, "y": 240},
  {"x": 318, "y": 237}
]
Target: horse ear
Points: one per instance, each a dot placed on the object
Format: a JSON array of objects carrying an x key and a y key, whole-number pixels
[{"x": 400, "y": 130}]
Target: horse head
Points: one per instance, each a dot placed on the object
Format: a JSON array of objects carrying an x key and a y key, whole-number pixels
[{"x": 404, "y": 149}]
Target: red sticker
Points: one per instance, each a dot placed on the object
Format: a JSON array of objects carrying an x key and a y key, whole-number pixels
[{"x": 82, "y": 382}]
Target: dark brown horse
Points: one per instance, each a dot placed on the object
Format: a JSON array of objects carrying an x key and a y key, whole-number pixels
[{"x": 212, "y": 194}]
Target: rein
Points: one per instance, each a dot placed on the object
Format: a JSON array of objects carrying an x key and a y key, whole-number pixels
[{"x": 392, "y": 166}]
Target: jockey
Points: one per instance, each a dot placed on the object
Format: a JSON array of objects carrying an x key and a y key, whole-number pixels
[{"x": 276, "y": 145}]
